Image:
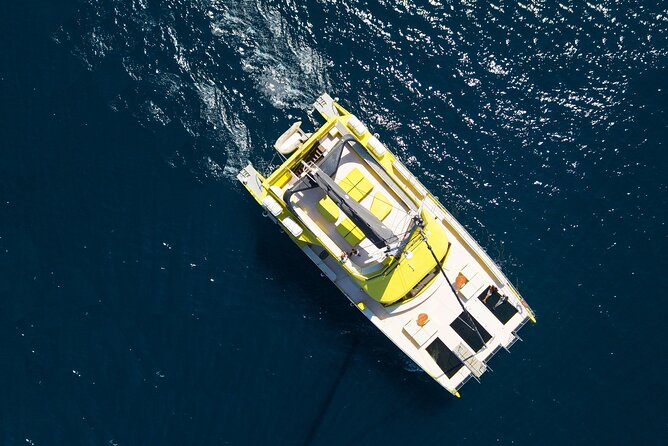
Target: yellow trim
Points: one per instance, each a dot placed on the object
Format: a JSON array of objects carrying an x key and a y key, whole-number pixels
[
  {"x": 283, "y": 179},
  {"x": 307, "y": 236},
  {"x": 397, "y": 279},
  {"x": 344, "y": 115},
  {"x": 530, "y": 314},
  {"x": 400, "y": 278},
  {"x": 381, "y": 288},
  {"x": 405, "y": 183},
  {"x": 386, "y": 161},
  {"x": 299, "y": 154}
]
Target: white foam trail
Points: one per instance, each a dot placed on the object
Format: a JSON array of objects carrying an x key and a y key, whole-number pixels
[
  {"x": 177, "y": 81},
  {"x": 285, "y": 69}
]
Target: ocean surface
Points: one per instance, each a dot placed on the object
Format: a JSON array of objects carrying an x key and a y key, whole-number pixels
[{"x": 145, "y": 301}]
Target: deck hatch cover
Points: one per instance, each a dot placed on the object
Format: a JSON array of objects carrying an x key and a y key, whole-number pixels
[
  {"x": 449, "y": 363},
  {"x": 468, "y": 333}
]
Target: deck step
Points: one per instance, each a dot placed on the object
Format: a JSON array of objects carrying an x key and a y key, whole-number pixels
[{"x": 465, "y": 355}]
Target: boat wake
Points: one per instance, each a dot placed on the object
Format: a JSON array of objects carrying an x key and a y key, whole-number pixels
[
  {"x": 285, "y": 69},
  {"x": 183, "y": 62},
  {"x": 487, "y": 103}
]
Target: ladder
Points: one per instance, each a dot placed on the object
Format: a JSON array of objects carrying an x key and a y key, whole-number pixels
[{"x": 467, "y": 357}]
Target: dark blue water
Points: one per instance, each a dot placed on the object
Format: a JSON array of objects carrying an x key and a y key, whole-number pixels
[{"x": 145, "y": 301}]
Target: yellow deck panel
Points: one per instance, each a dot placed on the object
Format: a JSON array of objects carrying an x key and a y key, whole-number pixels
[
  {"x": 350, "y": 232},
  {"x": 351, "y": 180},
  {"x": 380, "y": 206},
  {"x": 355, "y": 236},
  {"x": 361, "y": 190},
  {"x": 328, "y": 209},
  {"x": 403, "y": 277}
]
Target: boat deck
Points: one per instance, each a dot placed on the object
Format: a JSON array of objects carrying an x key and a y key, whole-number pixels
[
  {"x": 397, "y": 217},
  {"x": 449, "y": 327},
  {"x": 467, "y": 320}
]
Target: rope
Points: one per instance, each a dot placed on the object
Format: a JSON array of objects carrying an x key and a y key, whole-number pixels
[
  {"x": 440, "y": 267},
  {"x": 270, "y": 166}
]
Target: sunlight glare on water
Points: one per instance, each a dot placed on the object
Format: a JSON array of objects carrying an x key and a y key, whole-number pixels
[{"x": 146, "y": 301}]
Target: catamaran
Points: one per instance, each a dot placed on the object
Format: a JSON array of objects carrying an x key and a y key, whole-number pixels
[{"x": 390, "y": 246}]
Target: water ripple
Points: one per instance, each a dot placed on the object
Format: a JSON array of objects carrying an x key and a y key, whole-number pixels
[{"x": 457, "y": 88}]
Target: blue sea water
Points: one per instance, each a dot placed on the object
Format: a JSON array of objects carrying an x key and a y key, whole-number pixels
[{"x": 145, "y": 301}]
